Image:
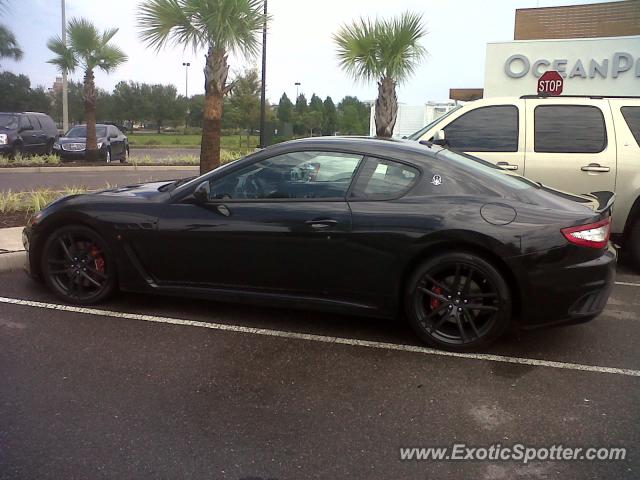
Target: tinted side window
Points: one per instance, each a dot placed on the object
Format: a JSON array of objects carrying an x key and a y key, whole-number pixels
[
  {"x": 310, "y": 175},
  {"x": 35, "y": 122},
  {"x": 383, "y": 179},
  {"x": 485, "y": 129},
  {"x": 24, "y": 121},
  {"x": 569, "y": 129},
  {"x": 632, "y": 117}
]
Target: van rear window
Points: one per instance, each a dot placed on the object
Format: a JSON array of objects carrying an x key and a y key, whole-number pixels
[{"x": 632, "y": 117}]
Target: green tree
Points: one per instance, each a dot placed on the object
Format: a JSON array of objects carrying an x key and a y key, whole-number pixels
[
  {"x": 220, "y": 27},
  {"x": 316, "y": 114},
  {"x": 386, "y": 51},
  {"x": 244, "y": 100},
  {"x": 196, "y": 109},
  {"x": 330, "y": 124},
  {"x": 285, "y": 110},
  {"x": 17, "y": 95},
  {"x": 300, "y": 115},
  {"x": 164, "y": 105},
  {"x": 88, "y": 49},
  {"x": 76, "y": 104},
  {"x": 128, "y": 103},
  {"x": 353, "y": 117}
]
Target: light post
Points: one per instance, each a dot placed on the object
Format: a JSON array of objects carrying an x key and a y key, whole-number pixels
[
  {"x": 263, "y": 99},
  {"x": 65, "y": 87},
  {"x": 297, "y": 90},
  {"x": 186, "y": 66}
]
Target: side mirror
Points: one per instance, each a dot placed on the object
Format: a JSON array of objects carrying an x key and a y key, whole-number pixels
[
  {"x": 439, "y": 138},
  {"x": 202, "y": 192}
]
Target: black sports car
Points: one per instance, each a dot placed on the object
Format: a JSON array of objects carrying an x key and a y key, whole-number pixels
[
  {"x": 358, "y": 225},
  {"x": 112, "y": 143}
]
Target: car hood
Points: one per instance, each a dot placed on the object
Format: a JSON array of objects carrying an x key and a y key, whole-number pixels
[
  {"x": 141, "y": 190},
  {"x": 78, "y": 139}
]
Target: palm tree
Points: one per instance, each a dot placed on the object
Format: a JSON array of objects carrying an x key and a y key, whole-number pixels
[
  {"x": 9, "y": 47},
  {"x": 217, "y": 26},
  {"x": 88, "y": 49},
  {"x": 386, "y": 51}
]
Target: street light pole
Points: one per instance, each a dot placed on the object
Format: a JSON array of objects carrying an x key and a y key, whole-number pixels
[
  {"x": 297, "y": 90},
  {"x": 263, "y": 93},
  {"x": 65, "y": 87},
  {"x": 186, "y": 66}
]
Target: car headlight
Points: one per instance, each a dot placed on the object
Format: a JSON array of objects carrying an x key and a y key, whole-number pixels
[
  {"x": 3, "y": 138},
  {"x": 100, "y": 145}
]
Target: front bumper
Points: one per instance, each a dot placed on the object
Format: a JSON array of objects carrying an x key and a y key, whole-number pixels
[{"x": 557, "y": 291}]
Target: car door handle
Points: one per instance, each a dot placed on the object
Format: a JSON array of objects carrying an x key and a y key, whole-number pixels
[
  {"x": 595, "y": 167},
  {"x": 321, "y": 224},
  {"x": 507, "y": 166}
]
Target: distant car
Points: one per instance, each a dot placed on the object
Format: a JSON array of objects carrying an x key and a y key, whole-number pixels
[
  {"x": 112, "y": 143},
  {"x": 26, "y": 133},
  {"x": 356, "y": 225}
]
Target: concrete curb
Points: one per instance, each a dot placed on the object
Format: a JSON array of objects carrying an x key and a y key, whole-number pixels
[
  {"x": 12, "y": 262},
  {"x": 119, "y": 168}
]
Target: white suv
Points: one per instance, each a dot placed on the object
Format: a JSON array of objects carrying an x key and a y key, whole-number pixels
[{"x": 576, "y": 144}]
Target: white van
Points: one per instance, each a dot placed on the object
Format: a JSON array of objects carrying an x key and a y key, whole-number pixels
[{"x": 573, "y": 143}]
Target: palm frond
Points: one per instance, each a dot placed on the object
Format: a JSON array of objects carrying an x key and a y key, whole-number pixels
[
  {"x": 9, "y": 47},
  {"x": 109, "y": 58},
  {"x": 358, "y": 49},
  {"x": 164, "y": 22},
  {"x": 65, "y": 59},
  {"x": 84, "y": 37}
]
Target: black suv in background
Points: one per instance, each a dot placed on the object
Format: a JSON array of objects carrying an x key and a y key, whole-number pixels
[{"x": 26, "y": 133}]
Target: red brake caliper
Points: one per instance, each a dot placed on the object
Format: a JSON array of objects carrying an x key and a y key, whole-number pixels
[
  {"x": 435, "y": 303},
  {"x": 98, "y": 259}
]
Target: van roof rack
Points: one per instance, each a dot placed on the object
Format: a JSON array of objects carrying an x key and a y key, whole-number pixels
[{"x": 542, "y": 95}]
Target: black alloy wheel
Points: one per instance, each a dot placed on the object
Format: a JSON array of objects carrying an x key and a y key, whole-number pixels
[
  {"x": 77, "y": 265},
  {"x": 458, "y": 301}
]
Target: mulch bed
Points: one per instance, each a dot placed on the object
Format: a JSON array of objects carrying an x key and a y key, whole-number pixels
[{"x": 13, "y": 219}]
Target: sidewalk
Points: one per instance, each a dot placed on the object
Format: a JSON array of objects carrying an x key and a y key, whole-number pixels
[{"x": 12, "y": 254}]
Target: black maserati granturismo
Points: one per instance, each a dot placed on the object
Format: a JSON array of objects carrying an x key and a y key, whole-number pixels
[{"x": 460, "y": 247}]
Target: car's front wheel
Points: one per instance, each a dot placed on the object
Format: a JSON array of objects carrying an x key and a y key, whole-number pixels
[
  {"x": 77, "y": 265},
  {"x": 458, "y": 301}
]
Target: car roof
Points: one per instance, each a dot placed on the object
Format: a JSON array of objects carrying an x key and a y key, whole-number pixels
[{"x": 375, "y": 146}]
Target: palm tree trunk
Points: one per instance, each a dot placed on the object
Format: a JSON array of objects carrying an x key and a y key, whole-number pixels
[
  {"x": 216, "y": 72},
  {"x": 89, "y": 97},
  {"x": 386, "y": 107}
]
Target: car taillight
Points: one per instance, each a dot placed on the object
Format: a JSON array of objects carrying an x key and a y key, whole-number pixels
[{"x": 593, "y": 235}]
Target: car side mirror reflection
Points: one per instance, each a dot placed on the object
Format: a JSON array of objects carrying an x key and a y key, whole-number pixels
[
  {"x": 202, "y": 192},
  {"x": 439, "y": 138}
]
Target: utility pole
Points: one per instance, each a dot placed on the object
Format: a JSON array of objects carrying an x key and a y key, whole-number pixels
[
  {"x": 263, "y": 98},
  {"x": 186, "y": 66},
  {"x": 65, "y": 87}
]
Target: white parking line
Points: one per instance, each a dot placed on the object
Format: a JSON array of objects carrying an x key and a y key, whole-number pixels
[
  {"x": 323, "y": 339},
  {"x": 628, "y": 284}
]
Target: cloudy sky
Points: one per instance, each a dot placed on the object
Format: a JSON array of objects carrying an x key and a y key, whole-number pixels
[{"x": 300, "y": 48}]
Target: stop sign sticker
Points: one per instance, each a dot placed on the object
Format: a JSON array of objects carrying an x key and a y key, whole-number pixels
[{"x": 550, "y": 83}]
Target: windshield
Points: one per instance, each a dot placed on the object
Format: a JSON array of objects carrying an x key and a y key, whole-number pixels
[
  {"x": 81, "y": 132},
  {"x": 416, "y": 136},
  {"x": 482, "y": 167},
  {"x": 8, "y": 121}
]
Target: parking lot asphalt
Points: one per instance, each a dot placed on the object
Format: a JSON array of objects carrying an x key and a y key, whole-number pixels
[{"x": 196, "y": 389}]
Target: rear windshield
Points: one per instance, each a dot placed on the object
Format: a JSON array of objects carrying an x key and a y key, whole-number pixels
[
  {"x": 8, "y": 121},
  {"x": 632, "y": 117},
  {"x": 477, "y": 166},
  {"x": 81, "y": 132}
]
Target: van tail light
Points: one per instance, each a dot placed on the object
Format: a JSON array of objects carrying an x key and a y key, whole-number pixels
[{"x": 593, "y": 235}]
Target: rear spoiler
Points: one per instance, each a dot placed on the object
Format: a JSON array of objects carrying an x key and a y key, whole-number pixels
[{"x": 605, "y": 200}]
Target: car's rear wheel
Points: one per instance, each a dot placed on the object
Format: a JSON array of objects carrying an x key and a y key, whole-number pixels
[
  {"x": 78, "y": 266},
  {"x": 125, "y": 155},
  {"x": 458, "y": 301},
  {"x": 49, "y": 148}
]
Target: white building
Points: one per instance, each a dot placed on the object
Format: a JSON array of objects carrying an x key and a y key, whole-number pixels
[
  {"x": 590, "y": 66},
  {"x": 412, "y": 118}
]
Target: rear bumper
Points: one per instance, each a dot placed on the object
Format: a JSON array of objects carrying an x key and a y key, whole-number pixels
[{"x": 554, "y": 291}]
